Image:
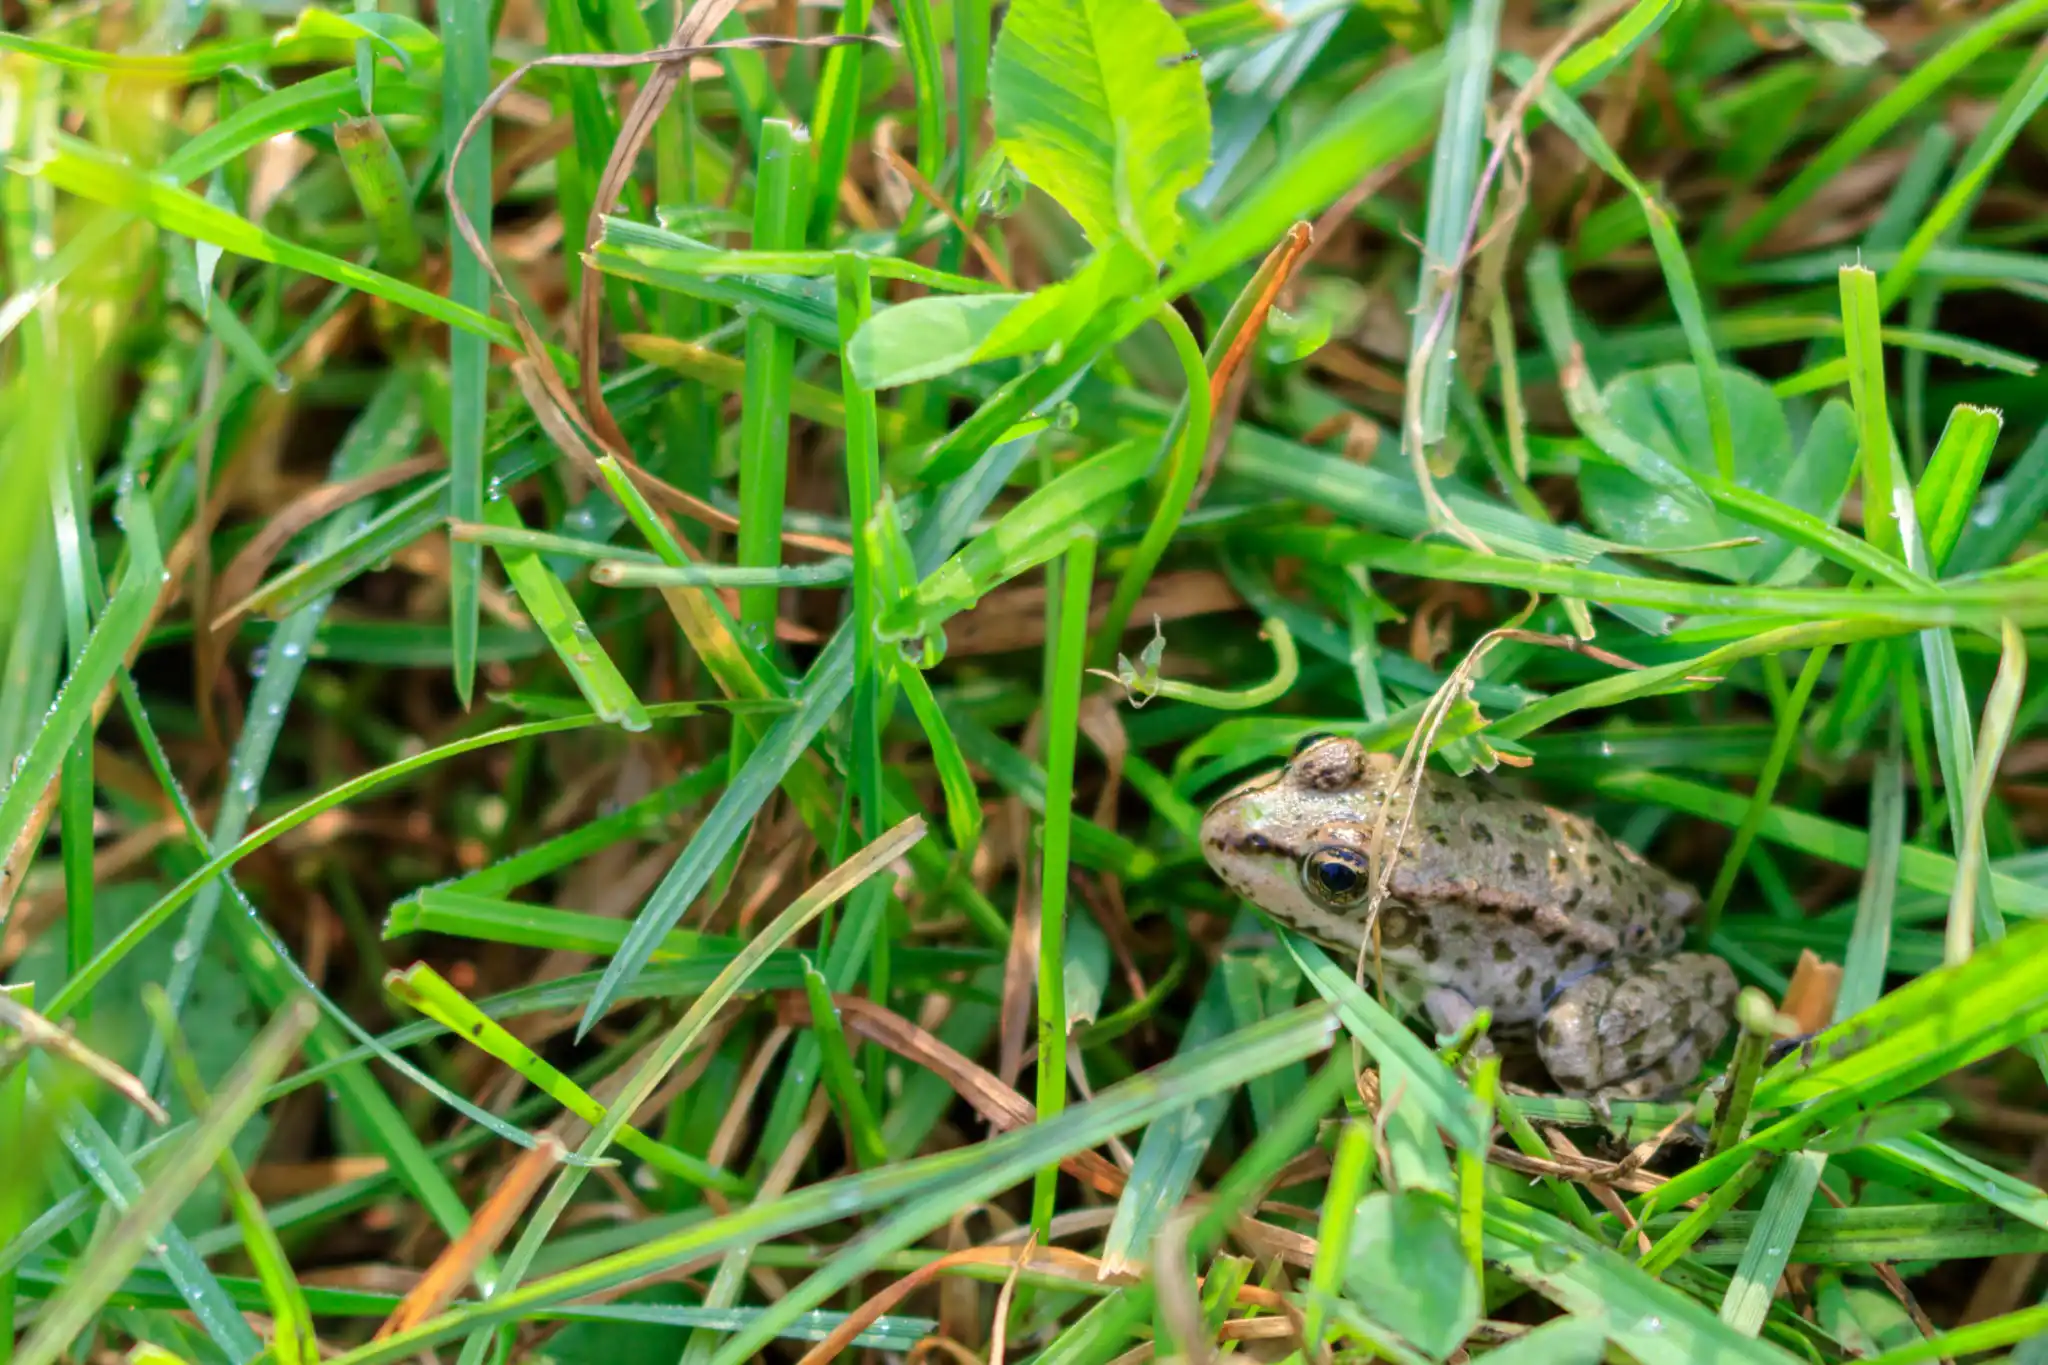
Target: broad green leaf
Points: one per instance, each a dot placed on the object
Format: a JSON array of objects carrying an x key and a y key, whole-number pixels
[
  {"x": 940, "y": 333},
  {"x": 1096, "y": 104},
  {"x": 1665, "y": 409},
  {"x": 1407, "y": 1269}
]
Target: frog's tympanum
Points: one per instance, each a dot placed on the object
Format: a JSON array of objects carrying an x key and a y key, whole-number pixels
[{"x": 1495, "y": 901}]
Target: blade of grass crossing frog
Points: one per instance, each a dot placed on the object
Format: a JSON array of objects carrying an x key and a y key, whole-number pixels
[
  {"x": 547, "y": 600},
  {"x": 1406, "y": 1063},
  {"x": 466, "y": 41},
  {"x": 1920, "y": 868},
  {"x": 1453, "y": 177},
  {"x": 115, "y": 1177},
  {"x": 294, "y": 1341},
  {"x": 1172, "y": 1152},
  {"x": 661, "y": 1059},
  {"x": 145, "y": 1220},
  {"x": 126, "y": 617},
  {"x": 387, "y": 431}
]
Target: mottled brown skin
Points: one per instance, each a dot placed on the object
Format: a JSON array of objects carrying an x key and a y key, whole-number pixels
[{"x": 1496, "y": 901}]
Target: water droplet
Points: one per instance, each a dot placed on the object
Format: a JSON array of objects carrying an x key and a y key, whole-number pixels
[
  {"x": 1651, "y": 1325},
  {"x": 291, "y": 649},
  {"x": 1551, "y": 1258},
  {"x": 181, "y": 951},
  {"x": 259, "y": 659}
]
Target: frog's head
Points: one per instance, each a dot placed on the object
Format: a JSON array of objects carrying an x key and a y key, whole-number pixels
[{"x": 1293, "y": 841}]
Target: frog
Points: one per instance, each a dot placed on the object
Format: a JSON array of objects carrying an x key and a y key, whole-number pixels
[{"x": 1572, "y": 941}]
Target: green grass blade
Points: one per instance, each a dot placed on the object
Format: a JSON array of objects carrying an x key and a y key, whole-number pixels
[
  {"x": 128, "y": 1240},
  {"x": 115, "y": 634},
  {"x": 293, "y": 1341},
  {"x": 466, "y": 40},
  {"x": 547, "y": 599}
]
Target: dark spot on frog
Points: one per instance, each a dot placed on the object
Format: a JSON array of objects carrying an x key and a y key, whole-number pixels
[
  {"x": 1436, "y": 833},
  {"x": 1572, "y": 898},
  {"x": 1557, "y": 863},
  {"x": 1549, "y": 987},
  {"x": 1546, "y": 1032},
  {"x": 1534, "y": 823},
  {"x": 1593, "y": 860},
  {"x": 1519, "y": 864},
  {"x": 1602, "y": 914},
  {"x": 1570, "y": 953},
  {"x": 1461, "y": 963},
  {"x": 1502, "y": 952},
  {"x": 1522, "y": 914},
  {"x": 1429, "y": 948},
  {"x": 1525, "y": 978},
  {"x": 1480, "y": 833}
]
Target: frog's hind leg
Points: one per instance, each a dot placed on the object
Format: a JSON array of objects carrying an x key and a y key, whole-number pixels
[{"x": 1638, "y": 1030}]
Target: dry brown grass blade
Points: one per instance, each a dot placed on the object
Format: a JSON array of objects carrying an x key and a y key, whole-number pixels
[
  {"x": 694, "y": 26},
  {"x": 1284, "y": 259},
  {"x": 239, "y": 580},
  {"x": 595, "y": 425},
  {"x": 32, "y": 1030},
  {"x": 457, "y": 1264},
  {"x": 999, "y": 1330},
  {"x": 994, "y": 1100},
  {"x": 1048, "y": 1260},
  {"x": 930, "y": 194}
]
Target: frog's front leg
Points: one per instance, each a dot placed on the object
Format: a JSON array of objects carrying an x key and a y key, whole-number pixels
[{"x": 1638, "y": 1030}]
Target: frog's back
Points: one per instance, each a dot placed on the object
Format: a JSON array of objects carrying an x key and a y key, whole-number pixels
[{"x": 1523, "y": 861}]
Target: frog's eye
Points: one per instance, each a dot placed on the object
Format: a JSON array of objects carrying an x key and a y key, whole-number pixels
[
  {"x": 1335, "y": 876},
  {"x": 1309, "y": 741}
]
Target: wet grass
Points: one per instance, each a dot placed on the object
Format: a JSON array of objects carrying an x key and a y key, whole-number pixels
[{"x": 619, "y": 622}]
